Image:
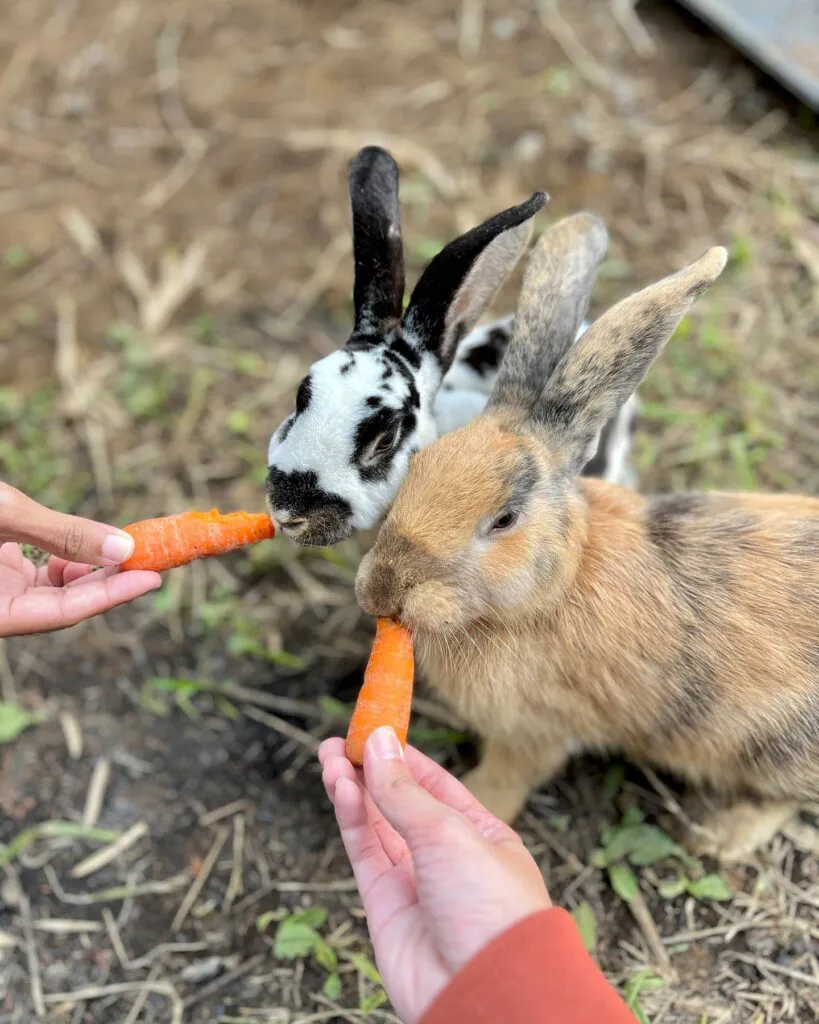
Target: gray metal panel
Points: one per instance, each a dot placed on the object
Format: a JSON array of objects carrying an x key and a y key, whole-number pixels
[{"x": 780, "y": 35}]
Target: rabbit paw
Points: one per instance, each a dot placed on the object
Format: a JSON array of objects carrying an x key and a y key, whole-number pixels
[
  {"x": 503, "y": 799},
  {"x": 737, "y": 832}
]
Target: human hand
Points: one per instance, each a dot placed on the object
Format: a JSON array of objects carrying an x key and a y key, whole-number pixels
[
  {"x": 66, "y": 590},
  {"x": 439, "y": 876}
]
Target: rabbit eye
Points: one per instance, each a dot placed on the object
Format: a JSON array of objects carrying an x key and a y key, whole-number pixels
[
  {"x": 383, "y": 444},
  {"x": 504, "y": 522}
]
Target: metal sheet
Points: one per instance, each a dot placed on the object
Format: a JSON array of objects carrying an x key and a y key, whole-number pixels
[{"x": 782, "y": 36}]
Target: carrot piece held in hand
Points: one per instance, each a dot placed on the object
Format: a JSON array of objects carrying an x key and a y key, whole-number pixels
[
  {"x": 170, "y": 541},
  {"x": 385, "y": 697}
]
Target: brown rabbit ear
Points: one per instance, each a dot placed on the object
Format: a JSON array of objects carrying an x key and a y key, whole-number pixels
[
  {"x": 603, "y": 369},
  {"x": 553, "y": 303}
]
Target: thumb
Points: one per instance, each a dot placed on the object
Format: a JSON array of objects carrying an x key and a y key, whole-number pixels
[
  {"x": 408, "y": 807},
  {"x": 71, "y": 537}
]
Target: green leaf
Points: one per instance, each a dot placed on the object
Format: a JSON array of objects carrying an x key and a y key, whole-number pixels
[
  {"x": 263, "y": 921},
  {"x": 332, "y": 986},
  {"x": 586, "y": 924},
  {"x": 632, "y": 817},
  {"x": 314, "y": 916},
  {"x": 651, "y": 845},
  {"x": 373, "y": 1000},
  {"x": 15, "y": 719},
  {"x": 673, "y": 887},
  {"x": 642, "y": 844},
  {"x": 642, "y": 981},
  {"x": 710, "y": 887},
  {"x": 608, "y": 834},
  {"x": 365, "y": 967},
  {"x": 296, "y": 936},
  {"x": 325, "y": 956},
  {"x": 294, "y": 939},
  {"x": 623, "y": 881},
  {"x": 613, "y": 781},
  {"x": 598, "y": 859}
]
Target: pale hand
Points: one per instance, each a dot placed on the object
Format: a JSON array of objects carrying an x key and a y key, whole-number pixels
[
  {"x": 67, "y": 589},
  {"x": 439, "y": 876}
]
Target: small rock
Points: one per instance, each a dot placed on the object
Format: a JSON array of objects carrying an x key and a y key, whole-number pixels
[
  {"x": 10, "y": 894},
  {"x": 202, "y": 970}
]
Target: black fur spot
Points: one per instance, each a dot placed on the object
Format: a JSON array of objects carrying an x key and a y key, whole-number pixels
[
  {"x": 298, "y": 493},
  {"x": 401, "y": 346},
  {"x": 666, "y": 518},
  {"x": 695, "y": 698},
  {"x": 303, "y": 395},
  {"x": 407, "y": 375},
  {"x": 347, "y": 366},
  {"x": 374, "y": 402},
  {"x": 358, "y": 342},
  {"x": 386, "y": 373},
  {"x": 399, "y": 366},
  {"x": 286, "y": 427},
  {"x": 693, "y": 545},
  {"x": 398, "y": 422},
  {"x": 487, "y": 357}
]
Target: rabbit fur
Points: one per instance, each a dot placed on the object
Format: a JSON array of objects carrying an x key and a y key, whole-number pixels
[
  {"x": 559, "y": 614},
  {"x": 402, "y": 378}
]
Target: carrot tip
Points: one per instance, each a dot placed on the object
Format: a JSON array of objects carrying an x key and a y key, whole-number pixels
[{"x": 385, "y": 697}]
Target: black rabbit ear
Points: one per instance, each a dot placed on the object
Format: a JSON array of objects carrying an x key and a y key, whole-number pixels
[
  {"x": 378, "y": 293},
  {"x": 461, "y": 281}
]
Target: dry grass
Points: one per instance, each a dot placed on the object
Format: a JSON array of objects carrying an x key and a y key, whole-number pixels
[{"x": 175, "y": 252}]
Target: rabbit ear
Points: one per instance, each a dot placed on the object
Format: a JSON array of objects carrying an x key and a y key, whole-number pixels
[
  {"x": 605, "y": 366},
  {"x": 378, "y": 294},
  {"x": 464, "y": 277},
  {"x": 553, "y": 303}
]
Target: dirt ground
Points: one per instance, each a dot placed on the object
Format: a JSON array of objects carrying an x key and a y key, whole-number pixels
[{"x": 175, "y": 252}]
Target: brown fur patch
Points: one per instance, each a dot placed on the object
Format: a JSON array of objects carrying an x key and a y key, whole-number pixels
[{"x": 465, "y": 475}]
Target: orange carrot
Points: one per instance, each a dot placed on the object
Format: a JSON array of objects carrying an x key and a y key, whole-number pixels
[
  {"x": 176, "y": 540},
  {"x": 385, "y": 697}
]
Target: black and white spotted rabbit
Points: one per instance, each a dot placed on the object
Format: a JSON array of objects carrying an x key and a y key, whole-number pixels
[{"x": 403, "y": 378}]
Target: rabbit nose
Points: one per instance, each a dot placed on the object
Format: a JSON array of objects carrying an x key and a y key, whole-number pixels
[{"x": 382, "y": 595}]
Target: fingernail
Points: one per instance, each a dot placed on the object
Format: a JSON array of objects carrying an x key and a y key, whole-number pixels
[
  {"x": 117, "y": 547},
  {"x": 384, "y": 744}
]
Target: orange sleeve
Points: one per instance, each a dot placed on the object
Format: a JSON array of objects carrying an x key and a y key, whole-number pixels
[{"x": 537, "y": 972}]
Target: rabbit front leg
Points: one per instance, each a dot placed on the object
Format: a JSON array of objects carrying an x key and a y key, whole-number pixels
[{"x": 505, "y": 776}]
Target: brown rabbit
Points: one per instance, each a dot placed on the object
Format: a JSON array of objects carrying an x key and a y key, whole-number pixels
[{"x": 558, "y": 613}]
